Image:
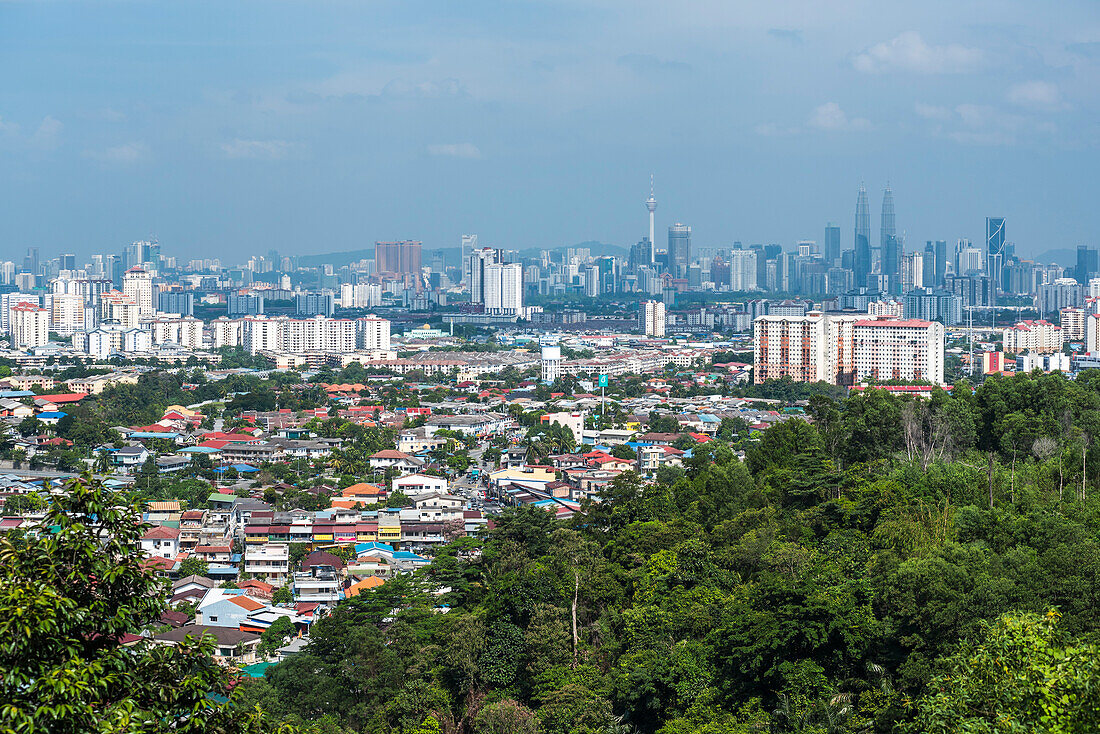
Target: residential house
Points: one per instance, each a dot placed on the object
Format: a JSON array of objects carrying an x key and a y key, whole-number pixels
[
  {"x": 388, "y": 458},
  {"x": 161, "y": 541},
  {"x": 233, "y": 647},
  {"x": 417, "y": 484}
]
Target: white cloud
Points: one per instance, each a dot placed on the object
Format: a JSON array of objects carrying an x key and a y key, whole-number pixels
[
  {"x": 131, "y": 152},
  {"x": 909, "y": 52},
  {"x": 975, "y": 124},
  {"x": 829, "y": 116},
  {"x": 269, "y": 150},
  {"x": 933, "y": 112},
  {"x": 47, "y": 133},
  {"x": 455, "y": 150},
  {"x": 1036, "y": 95}
]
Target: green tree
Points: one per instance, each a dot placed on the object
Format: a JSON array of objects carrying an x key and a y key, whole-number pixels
[
  {"x": 1024, "y": 673},
  {"x": 193, "y": 566},
  {"x": 275, "y": 635},
  {"x": 66, "y": 600}
]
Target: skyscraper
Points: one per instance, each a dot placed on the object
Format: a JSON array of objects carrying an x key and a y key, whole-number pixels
[
  {"x": 679, "y": 249},
  {"x": 995, "y": 248},
  {"x": 889, "y": 242},
  {"x": 469, "y": 244},
  {"x": 1087, "y": 264},
  {"x": 994, "y": 235},
  {"x": 832, "y": 243},
  {"x": 862, "y": 260}
]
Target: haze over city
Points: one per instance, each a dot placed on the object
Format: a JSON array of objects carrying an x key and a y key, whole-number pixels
[{"x": 228, "y": 130}]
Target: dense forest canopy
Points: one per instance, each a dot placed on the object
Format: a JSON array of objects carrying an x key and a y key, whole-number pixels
[{"x": 868, "y": 571}]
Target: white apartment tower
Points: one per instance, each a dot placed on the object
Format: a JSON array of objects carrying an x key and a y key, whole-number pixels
[
  {"x": 743, "y": 270},
  {"x": 374, "y": 334},
  {"x": 503, "y": 288},
  {"x": 843, "y": 349},
  {"x": 138, "y": 284},
  {"x": 651, "y": 318},
  {"x": 551, "y": 363},
  {"x": 30, "y": 326}
]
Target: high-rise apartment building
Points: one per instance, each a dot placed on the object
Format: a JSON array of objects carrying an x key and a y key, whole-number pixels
[
  {"x": 68, "y": 314},
  {"x": 651, "y": 318},
  {"x": 679, "y": 249},
  {"x": 397, "y": 258},
  {"x": 843, "y": 349},
  {"x": 743, "y": 270},
  {"x": 1072, "y": 321},
  {"x": 374, "y": 334},
  {"x": 479, "y": 260},
  {"x": 181, "y": 302},
  {"x": 30, "y": 326},
  {"x": 137, "y": 283},
  {"x": 503, "y": 288},
  {"x": 1038, "y": 336}
]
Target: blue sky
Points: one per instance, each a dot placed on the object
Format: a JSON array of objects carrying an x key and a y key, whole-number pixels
[{"x": 230, "y": 128}]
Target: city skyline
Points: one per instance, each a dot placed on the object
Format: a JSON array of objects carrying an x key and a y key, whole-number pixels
[{"x": 320, "y": 129}]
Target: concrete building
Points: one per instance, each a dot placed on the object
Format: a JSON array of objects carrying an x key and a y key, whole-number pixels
[
  {"x": 1041, "y": 337},
  {"x": 844, "y": 348},
  {"x": 137, "y": 283},
  {"x": 1072, "y": 321},
  {"x": 651, "y": 318},
  {"x": 30, "y": 326}
]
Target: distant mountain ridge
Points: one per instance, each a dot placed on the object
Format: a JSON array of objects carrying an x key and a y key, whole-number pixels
[{"x": 452, "y": 254}]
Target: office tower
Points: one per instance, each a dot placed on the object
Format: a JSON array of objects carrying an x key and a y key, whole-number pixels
[
  {"x": 591, "y": 281},
  {"x": 244, "y": 304},
  {"x": 933, "y": 305},
  {"x": 479, "y": 260},
  {"x": 503, "y": 288},
  {"x": 469, "y": 244},
  {"x": 180, "y": 302},
  {"x": 397, "y": 258},
  {"x": 743, "y": 270},
  {"x": 941, "y": 261},
  {"x": 1086, "y": 264},
  {"x": 551, "y": 362},
  {"x": 968, "y": 259},
  {"x": 315, "y": 304},
  {"x": 30, "y": 262},
  {"x": 832, "y": 244},
  {"x": 30, "y": 326},
  {"x": 679, "y": 249},
  {"x": 651, "y": 318},
  {"x": 651, "y": 205},
  {"x": 861, "y": 265},
  {"x": 67, "y": 262},
  {"x": 890, "y": 244},
  {"x": 994, "y": 235},
  {"x": 995, "y": 248},
  {"x": 912, "y": 271},
  {"x": 930, "y": 265},
  {"x": 138, "y": 284},
  {"x": 642, "y": 254}
]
